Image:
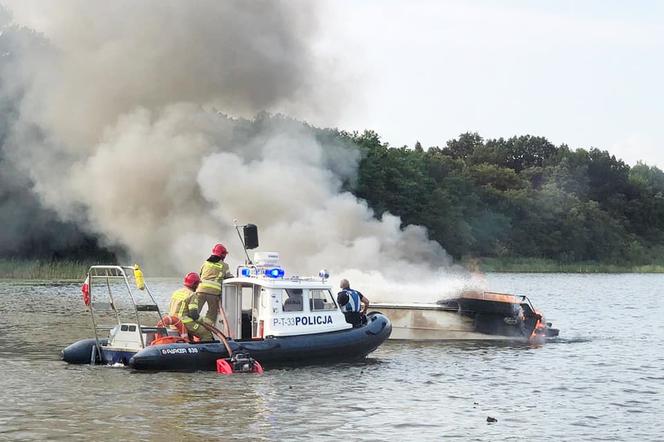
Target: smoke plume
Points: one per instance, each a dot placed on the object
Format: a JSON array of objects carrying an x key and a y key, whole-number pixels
[{"x": 116, "y": 118}]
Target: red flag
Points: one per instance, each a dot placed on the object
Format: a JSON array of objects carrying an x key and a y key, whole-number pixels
[{"x": 86, "y": 290}]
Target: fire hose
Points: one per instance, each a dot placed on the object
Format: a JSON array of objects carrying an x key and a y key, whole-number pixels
[{"x": 216, "y": 332}]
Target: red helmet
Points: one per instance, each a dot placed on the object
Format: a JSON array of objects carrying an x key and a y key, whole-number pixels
[
  {"x": 219, "y": 250},
  {"x": 191, "y": 280}
]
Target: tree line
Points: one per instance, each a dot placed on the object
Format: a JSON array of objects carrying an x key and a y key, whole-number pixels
[{"x": 518, "y": 197}]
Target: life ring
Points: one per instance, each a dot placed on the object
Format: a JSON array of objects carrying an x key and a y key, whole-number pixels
[{"x": 172, "y": 321}]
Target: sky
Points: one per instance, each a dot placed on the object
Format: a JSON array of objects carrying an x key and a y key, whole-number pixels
[{"x": 588, "y": 74}]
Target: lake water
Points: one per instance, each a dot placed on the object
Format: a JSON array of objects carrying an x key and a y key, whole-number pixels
[{"x": 603, "y": 379}]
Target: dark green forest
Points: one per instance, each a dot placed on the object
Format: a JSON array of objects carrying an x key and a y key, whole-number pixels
[{"x": 518, "y": 197}]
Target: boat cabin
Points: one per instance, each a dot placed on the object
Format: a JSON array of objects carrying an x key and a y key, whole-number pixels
[{"x": 262, "y": 301}]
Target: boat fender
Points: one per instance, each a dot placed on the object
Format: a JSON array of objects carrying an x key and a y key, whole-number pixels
[{"x": 80, "y": 352}]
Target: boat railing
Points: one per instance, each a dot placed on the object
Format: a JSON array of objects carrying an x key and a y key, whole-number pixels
[
  {"x": 103, "y": 275},
  {"x": 298, "y": 278},
  {"x": 525, "y": 300}
]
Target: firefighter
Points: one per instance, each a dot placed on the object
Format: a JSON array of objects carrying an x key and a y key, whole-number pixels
[
  {"x": 353, "y": 304},
  {"x": 184, "y": 305},
  {"x": 213, "y": 272}
]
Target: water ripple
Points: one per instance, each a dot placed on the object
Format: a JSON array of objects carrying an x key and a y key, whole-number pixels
[{"x": 599, "y": 381}]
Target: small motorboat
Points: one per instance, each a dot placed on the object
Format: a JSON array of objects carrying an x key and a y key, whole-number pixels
[
  {"x": 274, "y": 319},
  {"x": 471, "y": 316}
]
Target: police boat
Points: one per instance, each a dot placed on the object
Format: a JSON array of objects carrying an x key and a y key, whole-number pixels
[{"x": 274, "y": 318}]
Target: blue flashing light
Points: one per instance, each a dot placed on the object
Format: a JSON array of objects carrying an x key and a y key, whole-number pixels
[
  {"x": 246, "y": 271},
  {"x": 274, "y": 273}
]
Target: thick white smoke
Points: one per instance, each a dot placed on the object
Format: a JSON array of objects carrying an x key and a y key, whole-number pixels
[{"x": 117, "y": 126}]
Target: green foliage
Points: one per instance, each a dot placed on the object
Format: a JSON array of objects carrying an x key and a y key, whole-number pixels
[
  {"x": 540, "y": 265},
  {"x": 42, "y": 270},
  {"x": 519, "y": 198},
  {"x": 516, "y": 153},
  {"x": 650, "y": 179}
]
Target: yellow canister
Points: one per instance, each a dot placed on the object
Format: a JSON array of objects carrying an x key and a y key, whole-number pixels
[{"x": 138, "y": 277}]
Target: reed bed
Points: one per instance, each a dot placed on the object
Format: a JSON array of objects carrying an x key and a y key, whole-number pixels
[
  {"x": 540, "y": 265},
  {"x": 65, "y": 270},
  {"x": 42, "y": 270}
]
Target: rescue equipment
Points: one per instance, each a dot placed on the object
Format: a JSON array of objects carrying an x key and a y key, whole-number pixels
[
  {"x": 172, "y": 321},
  {"x": 166, "y": 340},
  {"x": 237, "y": 362}
]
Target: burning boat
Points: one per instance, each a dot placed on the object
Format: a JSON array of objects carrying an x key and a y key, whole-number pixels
[{"x": 471, "y": 316}]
